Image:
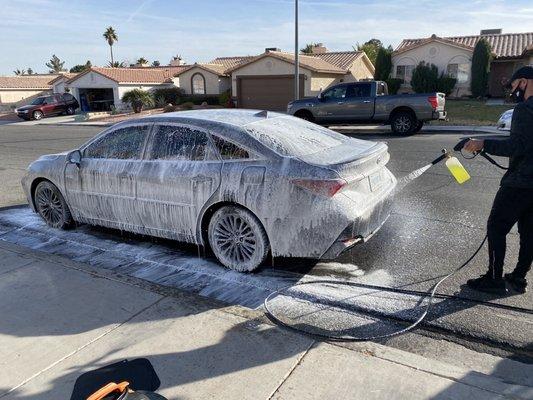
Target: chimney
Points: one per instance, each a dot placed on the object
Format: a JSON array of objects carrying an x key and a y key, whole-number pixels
[
  {"x": 490, "y": 32},
  {"x": 319, "y": 49},
  {"x": 271, "y": 49},
  {"x": 175, "y": 62}
]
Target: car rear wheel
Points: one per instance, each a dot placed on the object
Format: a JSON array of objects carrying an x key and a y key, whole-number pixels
[
  {"x": 37, "y": 115},
  {"x": 238, "y": 239},
  {"x": 70, "y": 110},
  {"x": 51, "y": 206},
  {"x": 403, "y": 123},
  {"x": 418, "y": 126}
]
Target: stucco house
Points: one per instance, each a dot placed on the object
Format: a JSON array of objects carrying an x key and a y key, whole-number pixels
[
  {"x": 19, "y": 90},
  {"x": 100, "y": 89},
  {"x": 59, "y": 84},
  {"x": 453, "y": 56}
]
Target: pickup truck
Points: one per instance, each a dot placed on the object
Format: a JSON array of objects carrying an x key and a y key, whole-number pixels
[
  {"x": 45, "y": 106},
  {"x": 369, "y": 102}
]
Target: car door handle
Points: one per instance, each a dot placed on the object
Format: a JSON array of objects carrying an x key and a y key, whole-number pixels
[
  {"x": 202, "y": 179},
  {"x": 366, "y": 101}
]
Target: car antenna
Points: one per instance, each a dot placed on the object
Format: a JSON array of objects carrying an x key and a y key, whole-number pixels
[{"x": 263, "y": 113}]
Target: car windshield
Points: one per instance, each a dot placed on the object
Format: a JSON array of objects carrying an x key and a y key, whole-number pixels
[
  {"x": 38, "y": 100},
  {"x": 293, "y": 137}
]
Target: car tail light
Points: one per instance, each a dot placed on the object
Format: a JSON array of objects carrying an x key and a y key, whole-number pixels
[
  {"x": 324, "y": 187},
  {"x": 434, "y": 101}
]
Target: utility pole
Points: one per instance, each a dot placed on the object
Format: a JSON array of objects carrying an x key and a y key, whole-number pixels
[{"x": 296, "y": 52}]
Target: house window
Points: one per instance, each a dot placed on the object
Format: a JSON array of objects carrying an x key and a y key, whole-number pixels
[
  {"x": 404, "y": 72},
  {"x": 198, "y": 84},
  {"x": 459, "y": 72}
]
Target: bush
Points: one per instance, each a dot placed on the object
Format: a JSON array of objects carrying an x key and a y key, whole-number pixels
[
  {"x": 187, "y": 105},
  {"x": 383, "y": 65},
  {"x": 445, "y": 84},
  {"x": 138, "y": 99},
  {"x": 224, "y": 98},
  {"x": 197, "y": 99},
  {"x": 481, "y": 59},
  {"x": 170, "y": 108},
  {"x": 170, "y": 95},
  {"x": 394, "y": 84},
  {"x": 425, "y": 77}
]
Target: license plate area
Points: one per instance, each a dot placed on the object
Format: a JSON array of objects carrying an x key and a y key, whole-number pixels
[{"x": 376, "y": 180}]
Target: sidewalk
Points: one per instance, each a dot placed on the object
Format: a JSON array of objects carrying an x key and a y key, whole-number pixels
[
  {"x": 61, "y": 318},
  {"x": 425, "y": 129}
]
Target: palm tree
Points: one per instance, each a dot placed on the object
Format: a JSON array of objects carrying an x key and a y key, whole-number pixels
[
  {"x": 30, "y": 71},
  {"x": 142, "y": 61},
  {"x": 19, "y": 72},
  {"x": 111, "y": 36},
  {"x": 116, "y": 64}
]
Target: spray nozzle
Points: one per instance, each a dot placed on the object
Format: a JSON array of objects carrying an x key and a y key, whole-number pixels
[{"x": 445, "y": 154}]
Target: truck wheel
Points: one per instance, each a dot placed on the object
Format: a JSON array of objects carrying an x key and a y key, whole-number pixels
[
  {"x": 418, "y": 126},
  {"x": 306, "y": 115},
  {"x": 70, "y": 110},
  {"x": 37, "y": 115},
  {"x": 403, "y": 123}
]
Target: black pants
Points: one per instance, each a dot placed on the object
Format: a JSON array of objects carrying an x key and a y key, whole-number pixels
[{"x": 511, "y": 206}]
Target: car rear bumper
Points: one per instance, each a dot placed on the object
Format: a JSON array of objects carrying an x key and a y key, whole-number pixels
[
  {"x": 363, "y": 228},
  {"x": 441, "y": 115}
]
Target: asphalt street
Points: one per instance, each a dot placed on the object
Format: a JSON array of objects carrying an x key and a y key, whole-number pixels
[{"x": 436, "y": 224}]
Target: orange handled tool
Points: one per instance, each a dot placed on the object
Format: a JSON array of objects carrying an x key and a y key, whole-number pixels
[{"x": 108, "y": 389}]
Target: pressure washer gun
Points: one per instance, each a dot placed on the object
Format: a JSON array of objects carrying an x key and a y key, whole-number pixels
[
  {"x": 457, "y": 170},
  {"x": 459, "y": 147}
]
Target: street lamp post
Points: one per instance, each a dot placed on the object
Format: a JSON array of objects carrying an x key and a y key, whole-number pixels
[{"x": 296, "y": 51}]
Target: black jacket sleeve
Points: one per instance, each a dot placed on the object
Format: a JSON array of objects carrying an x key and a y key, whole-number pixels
[{"x": 521, "y": 138}]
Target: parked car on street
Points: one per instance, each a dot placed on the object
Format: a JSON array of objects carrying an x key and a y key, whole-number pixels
[
  {"x": 46, "y": 106},
  {"x": 242, "y": 183},
  {"x": 369, "y": 102},
  {"x": 504, "y": 123}
]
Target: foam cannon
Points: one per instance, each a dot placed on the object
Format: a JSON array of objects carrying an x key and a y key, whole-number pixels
[{"x": 457, "y": 170}]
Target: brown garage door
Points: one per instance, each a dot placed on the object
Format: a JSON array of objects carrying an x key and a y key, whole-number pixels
[{"x": 267, "y": 92}]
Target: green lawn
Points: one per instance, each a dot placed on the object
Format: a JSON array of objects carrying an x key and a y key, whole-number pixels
[{"x": 472, "y": 112}]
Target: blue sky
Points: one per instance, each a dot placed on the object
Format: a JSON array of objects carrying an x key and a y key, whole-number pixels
[{"x": 32, "y": 30}]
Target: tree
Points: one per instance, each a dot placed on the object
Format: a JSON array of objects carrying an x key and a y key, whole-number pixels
[
  {"x": 383, "y": 64},
  {"x": 371, "y": 49},
  {"x": 81, "y": 67},
  {"x": 55, "y": 64},
  {"x": 19, "y": 72},
  {"x": 138, "y": 99},
  {"x": 308, "y": 48},
  {"x": 111, "y": 37},
  {"x": 156, "y": 63},
  {"x": 481, "y": 60},
  {"x": 116, "y": 64},
  {"x": 424, "y": 78},
  {"x": 142, "y": 61},
  {"x": 30, "y": 71}
]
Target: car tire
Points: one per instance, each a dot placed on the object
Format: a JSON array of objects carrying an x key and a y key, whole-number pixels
[
  {"x": 418, "y": 126},
  {"x": 238, "y": 239},
  {"x": 37, "y": 115},
  {"x": 403, "y": 123},
  {"x": 70, "y": 110},
  {"x": 305, "y": 115},
  {"x": 51, "y": 206}
]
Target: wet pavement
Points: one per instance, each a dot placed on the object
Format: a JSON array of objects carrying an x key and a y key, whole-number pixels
[{"x": 435, "y": 225}]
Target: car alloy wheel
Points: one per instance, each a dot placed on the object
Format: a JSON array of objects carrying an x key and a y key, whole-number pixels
[
  {"x": 37, "y": 115},
  {"x": 403, "y": 124},
  {"x": 51, "y": 206},
  {"x": 70, "y": 110},
  {"x": 238, "y": 239}
]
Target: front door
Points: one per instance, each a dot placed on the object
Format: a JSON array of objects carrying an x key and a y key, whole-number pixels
[
  {"x": 50, "y": 106},
  {"x": 181, "y": 171},
  {"x": 103, "y": 188},
  {"x": 332, "y": 103},
  {"x": 359, "y": 104}
]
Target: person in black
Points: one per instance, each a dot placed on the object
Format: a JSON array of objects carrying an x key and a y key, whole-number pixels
[{"x": 514, "y": 200}]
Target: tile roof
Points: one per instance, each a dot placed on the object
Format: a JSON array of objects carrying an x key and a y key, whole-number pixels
[
  {"x": 306, "y": 61},
  {"x": 27, "y": 81},
  {"x": 66, "y": 75},
  {"x": 137, "y": 75},
  {"x": 504, "y": 45},
  {"x": 231, "y": 62},
  {"x": 341, "y": 59},
  {"x": 217, "y": 69}
]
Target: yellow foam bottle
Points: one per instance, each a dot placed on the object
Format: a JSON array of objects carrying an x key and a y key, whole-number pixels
[{"x": 457, "y": 170}]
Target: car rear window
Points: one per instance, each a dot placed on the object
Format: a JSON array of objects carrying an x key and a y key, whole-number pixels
[{"x": 294, "y": 137}]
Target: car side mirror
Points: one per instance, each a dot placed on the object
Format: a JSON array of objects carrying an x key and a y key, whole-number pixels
[{"x": 74, "y": 157}]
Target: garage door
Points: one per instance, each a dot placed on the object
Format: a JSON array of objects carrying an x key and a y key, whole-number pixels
[{"x": 266, "y": 92}]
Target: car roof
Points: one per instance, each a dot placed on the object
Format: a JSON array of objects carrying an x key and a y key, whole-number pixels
[{"x": 235, "y": 117}]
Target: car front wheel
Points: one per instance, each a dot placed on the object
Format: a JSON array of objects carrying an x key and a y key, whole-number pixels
[
  {"x": 238, "y": 239},
  {"x": 37, "y": 115},
  {"x": 51, "y": 206},
  {"x": 403, "y": 123},
  {"x": 70, "y": 110}
]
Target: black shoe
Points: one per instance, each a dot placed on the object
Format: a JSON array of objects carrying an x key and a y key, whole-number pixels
[
  {"x": 518, "y": 285},
  {"x": 485, "y": 283}
]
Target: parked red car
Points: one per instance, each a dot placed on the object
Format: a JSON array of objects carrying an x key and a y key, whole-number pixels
[{"x": 45, "y": 106}]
